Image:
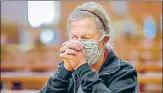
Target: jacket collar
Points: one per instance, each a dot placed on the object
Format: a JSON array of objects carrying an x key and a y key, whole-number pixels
[{"x": 112, "y": 63}]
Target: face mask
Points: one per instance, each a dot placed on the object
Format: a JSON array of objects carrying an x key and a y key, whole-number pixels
[{"x": 92, "y": 52}]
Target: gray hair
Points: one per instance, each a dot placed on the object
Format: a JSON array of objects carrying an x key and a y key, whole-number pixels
[{"x": 90, "y": 10}]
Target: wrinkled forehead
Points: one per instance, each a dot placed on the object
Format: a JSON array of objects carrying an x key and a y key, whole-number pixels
[
  {"x": 84, "y": 22},
  {"x": 86, "y": 25}
]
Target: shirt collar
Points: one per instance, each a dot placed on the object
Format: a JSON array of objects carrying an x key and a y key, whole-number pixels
[{"x": 112, "y": 63}]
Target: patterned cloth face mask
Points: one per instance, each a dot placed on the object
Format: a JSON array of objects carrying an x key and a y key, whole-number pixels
[{"x": 92, "y": 52}]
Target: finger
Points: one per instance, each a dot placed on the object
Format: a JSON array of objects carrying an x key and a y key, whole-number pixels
[
  {"x": 63, "y": 49},
  {"x": 63, "y": 44},
  {"x": 77, "y": 42},
  {"x": 75, "y": 38},
  {"x": 73, "y": 46},
  {"x": 66, "y": 56},
  {"x": 70, "y": 52}
]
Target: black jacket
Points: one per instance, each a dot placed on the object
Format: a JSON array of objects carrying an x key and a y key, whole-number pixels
[{"x": 115, "y": 76}]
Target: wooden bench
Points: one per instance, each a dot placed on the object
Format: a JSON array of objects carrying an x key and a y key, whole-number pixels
[
  {"x": 149, "y": 67},
  {"x": 46, "y": 67},
  {"x": 28, "y": 80}
]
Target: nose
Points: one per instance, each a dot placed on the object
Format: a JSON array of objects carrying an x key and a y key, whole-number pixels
[{"x": 79, "y": 38}]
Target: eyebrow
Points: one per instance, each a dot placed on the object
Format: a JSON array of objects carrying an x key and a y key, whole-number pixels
[
  {"x": 82, "y": 34},
  {"x": 86, "y": 34}
]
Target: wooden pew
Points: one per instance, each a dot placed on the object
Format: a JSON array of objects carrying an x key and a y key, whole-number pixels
[
  {"x": 149, "y": 67},
  {"x": 28, "y": 80}
]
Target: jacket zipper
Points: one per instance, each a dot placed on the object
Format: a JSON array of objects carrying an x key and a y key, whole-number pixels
[
  {"x": 73, "y": 80},
  {"x": 74, "y": 83}
]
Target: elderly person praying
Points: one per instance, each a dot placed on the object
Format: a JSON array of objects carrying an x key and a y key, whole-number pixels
[{"x": 89, "y": 63}]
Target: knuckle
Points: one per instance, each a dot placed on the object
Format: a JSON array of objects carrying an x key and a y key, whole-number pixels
[
  {"x": 64, "y": 47},
  {"x": 60, "y": 55},
  {"x": 63, "y": 43},
  {"x": 61, "y": 50},
  {"x": 70, "y": 51},
  {"x": 65, "y": 51},
  {"x": 68, "y": 44}
]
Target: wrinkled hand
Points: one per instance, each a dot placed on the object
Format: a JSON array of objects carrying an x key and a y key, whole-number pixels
[{"x": 72, "y": 52}]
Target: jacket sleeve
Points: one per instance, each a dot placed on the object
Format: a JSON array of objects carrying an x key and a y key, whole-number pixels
[
  {"x": 123, "y": 82},
  {"x": 58, "y": 83}
]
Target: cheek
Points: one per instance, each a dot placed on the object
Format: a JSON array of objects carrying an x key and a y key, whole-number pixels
[
  {"x": 96, "y": 33},
  {"x": 96, "y": 36}
]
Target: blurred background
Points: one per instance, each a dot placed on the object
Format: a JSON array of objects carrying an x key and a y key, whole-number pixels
[{"x": 33, "y": 31}]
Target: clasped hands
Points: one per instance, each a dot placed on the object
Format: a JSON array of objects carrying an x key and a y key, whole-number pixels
[{"x": 72, "y": 53}]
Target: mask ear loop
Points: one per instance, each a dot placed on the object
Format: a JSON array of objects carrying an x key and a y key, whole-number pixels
[{"x": 101, "y": 38}]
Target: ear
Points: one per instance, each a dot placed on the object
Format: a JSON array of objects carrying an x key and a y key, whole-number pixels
[{"x": 104, "y": 41}]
